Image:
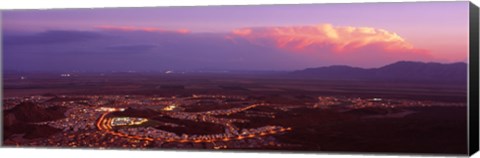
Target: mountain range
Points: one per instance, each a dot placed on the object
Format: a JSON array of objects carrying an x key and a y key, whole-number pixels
[{"x": 399, "y": 71}]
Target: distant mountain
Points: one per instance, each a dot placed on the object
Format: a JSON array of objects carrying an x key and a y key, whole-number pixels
[{"x": 399, "y": 71}]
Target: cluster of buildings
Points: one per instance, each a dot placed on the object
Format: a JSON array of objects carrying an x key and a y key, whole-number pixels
[
  {"x": 89, "y": 138},
  {"x": 153, "y": 134},
  {"x": 78, "y": 118},
  {"x": 127, "y": 121},
  {"x": 87, "y": 123},
  {"x": 326, "y": 102},
  {"x": 230, "y": 111},
  {"x": 259, "y": 114}
]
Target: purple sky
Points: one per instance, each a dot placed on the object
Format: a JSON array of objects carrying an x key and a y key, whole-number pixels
[{"x": 271, "y": 37}]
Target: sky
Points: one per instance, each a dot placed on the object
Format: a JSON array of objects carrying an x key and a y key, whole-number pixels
[{"x": 263, "y": 37}]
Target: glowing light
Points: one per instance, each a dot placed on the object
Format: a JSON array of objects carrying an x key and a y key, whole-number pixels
[
  {"x": 126, "y": 121},
  {"x": 170, "y": 107}
]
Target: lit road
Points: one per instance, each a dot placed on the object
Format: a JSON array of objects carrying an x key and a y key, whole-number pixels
[{"x": 104, "y": 124}]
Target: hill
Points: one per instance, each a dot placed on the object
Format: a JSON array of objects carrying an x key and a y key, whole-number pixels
[{"x": 399, "y": 71}]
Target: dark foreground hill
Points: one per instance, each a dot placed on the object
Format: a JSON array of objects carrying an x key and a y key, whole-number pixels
[
  {"x": 29, "y": 112},
  {"x": 21, "y": 119}
]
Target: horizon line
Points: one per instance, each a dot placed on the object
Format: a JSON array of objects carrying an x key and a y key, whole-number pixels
[{"x": 219, "y": 70}]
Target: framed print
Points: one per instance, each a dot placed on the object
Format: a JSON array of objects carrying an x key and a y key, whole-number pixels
[{"x": 396, "y": 78}]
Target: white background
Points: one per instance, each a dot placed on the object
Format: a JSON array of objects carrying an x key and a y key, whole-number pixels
[{"x": 84, "y": 153}]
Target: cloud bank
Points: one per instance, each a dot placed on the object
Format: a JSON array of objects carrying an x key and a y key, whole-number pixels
[
  {"x": 123, "y": 48},
  {"x": 135, "y": 28},
  {"x": 338, "y": 38}
]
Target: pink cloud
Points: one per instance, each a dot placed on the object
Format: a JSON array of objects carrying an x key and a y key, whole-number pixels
[
  {"x": 338, "y": 38},
  {"x": 135, "y": 28},
  {"x": 363, "y": 46},
  {"x": 183, "y": 31}
]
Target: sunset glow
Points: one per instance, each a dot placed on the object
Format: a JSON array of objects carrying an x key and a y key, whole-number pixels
[
  {"x": 339, "y": 38},
  {"x": 289, "y": 37}
]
